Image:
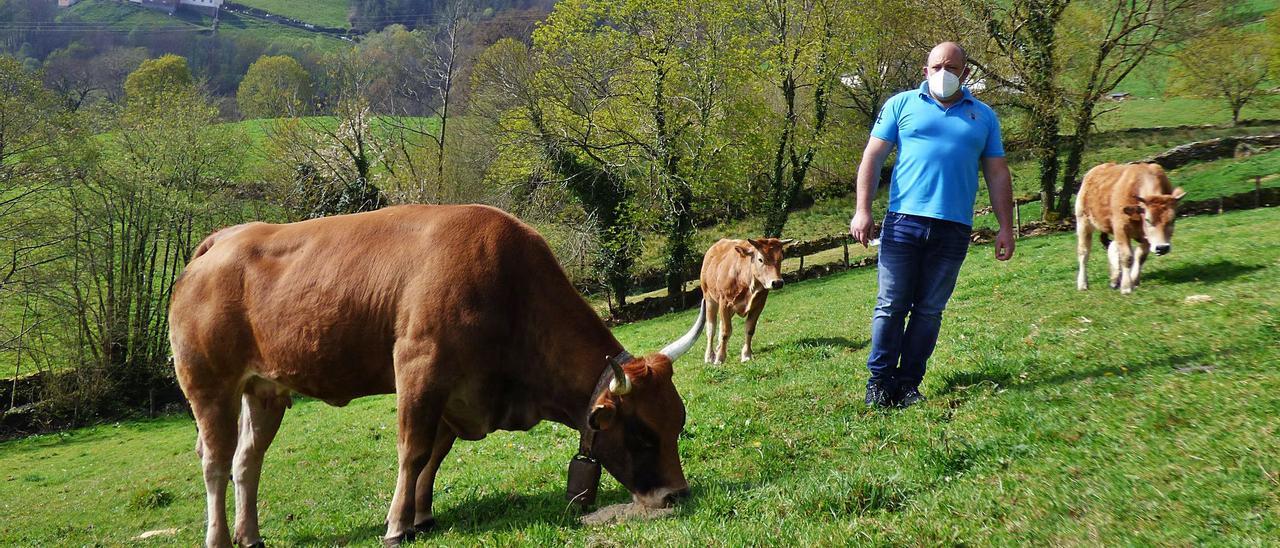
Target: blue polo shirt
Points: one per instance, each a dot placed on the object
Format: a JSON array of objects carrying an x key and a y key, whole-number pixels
[{"x": 936, "y": 174}]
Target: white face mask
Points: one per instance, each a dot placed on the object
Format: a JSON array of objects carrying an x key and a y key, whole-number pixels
[{"x": 943, "y": 84}]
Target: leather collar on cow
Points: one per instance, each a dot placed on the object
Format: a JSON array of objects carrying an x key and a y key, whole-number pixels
[{"x": 584, "y": 469}]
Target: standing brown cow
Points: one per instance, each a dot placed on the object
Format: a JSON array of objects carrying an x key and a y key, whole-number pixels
[
  {"x": 1129, "y": 201},
  {"x": 461, "y": 311},
  {"x": 736, "y": 278}
]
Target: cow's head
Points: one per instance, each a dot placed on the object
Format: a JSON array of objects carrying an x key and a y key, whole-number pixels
[
  {"x": 638, "y": 423},
  {"x": 765, "y": 255},
  {"x": 1156, "y": 213}
]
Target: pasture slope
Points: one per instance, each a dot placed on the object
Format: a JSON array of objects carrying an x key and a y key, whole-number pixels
[{"x": 1055, "y": 417}]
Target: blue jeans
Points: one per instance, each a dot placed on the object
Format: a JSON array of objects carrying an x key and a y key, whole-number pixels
[{"x": 920, "y": 258}]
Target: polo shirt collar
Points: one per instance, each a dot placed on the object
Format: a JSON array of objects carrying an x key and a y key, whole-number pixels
[{"x": 965, "y": 95}]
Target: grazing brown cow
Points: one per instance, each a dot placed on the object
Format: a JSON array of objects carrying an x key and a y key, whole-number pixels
[
  {"x": 461, "y": 311},
  {"x": 736, "y": 278},
  {"x": 1129, "y": 201}
]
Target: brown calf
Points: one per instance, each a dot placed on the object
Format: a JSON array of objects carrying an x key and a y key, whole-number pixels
[
  {"x": 1129, "y": 201},
  {"x": 736, "y": 278}
]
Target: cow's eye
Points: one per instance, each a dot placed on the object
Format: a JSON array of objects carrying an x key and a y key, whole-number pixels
[{"x": 759, "y": 259}]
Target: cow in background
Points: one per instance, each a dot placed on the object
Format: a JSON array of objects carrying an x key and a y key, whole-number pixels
[
  {"x": 1130, "y": 202},
  {"x": 736, "y": 278}
]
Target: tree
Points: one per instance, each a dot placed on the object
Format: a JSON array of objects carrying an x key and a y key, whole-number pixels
[
  {"x": 883, "y": 59},
  {"x": 335, "y": 165},
  {"x": 1014, "y": 47},
  {"x": 35, "y": 132},
  {"x": 797, "y": 41},
  {"x": 275, "y": 86},
  {"x": 549, "y": 106},
  {"x": 1228, "y": 64},
  {"x": 155, "y": 78},
  {"x": 1107, "y": 41}
]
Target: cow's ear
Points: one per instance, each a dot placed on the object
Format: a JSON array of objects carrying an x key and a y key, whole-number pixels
[
  {"x": 1139, "y": 199},
  {"x": 1178, "y": 193},
  {"x": 743, "y": 250},
  {"x": 754, "y": 243},
  {"x": 1133, "y": 210},
  {"x": 602, "y": 415}
]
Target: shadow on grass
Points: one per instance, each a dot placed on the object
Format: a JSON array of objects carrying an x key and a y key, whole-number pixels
[
  {"x": 1218, "y": 271},
  {"x": 833, "y": 342},
  {"x": 959, "y": 380},
  {"x": 498, "y": 512}
]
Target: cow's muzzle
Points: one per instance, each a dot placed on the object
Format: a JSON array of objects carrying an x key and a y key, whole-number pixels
[
  {"x": 1163, "y": 249},
  {"x": 776, "y": 284}
]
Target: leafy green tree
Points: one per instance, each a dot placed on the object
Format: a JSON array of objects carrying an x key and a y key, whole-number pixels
[
  {"x": 1229, "y": 64},
  {"x": 1102, "y": 44},
  {"x": 275, "y": 86},
  {"x": 548, "y": 107},
  {"x": 155, "y": 78},
  {"x": 797, "y": 42}
]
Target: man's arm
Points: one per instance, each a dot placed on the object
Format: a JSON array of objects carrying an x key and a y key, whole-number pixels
[
  {"x": 868, "y": 179},
  {"x": 1000, "y": 186}
]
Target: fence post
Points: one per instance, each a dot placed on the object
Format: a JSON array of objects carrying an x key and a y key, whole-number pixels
[
  {"x": 846, "y": 250},
  {"x": 801, "y": 271},
  {"x": 1017, "y": 219}
]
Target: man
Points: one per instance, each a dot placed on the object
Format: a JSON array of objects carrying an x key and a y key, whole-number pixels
[{"x": 943, "y": 134}]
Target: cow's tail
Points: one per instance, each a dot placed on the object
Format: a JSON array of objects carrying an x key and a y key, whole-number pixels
[{"x": 1106, "y": 240}]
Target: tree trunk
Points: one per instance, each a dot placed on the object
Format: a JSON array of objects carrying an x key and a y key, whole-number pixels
[{"x": 1083, "y": 126}]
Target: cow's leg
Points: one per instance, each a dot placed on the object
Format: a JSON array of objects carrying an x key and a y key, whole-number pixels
[
  {"x": 1139, "y": 257},
  {"x": 1084, "y": 243},
  {"x": 712, "y": 323},
  {"x": 1124, "y": 260},
  {"x": 1113, "y": 263},
  {"x": 418, "y": 413},
  {"x": 726, "y": 329},
  {"x": 263, "y": 406},
  {"x": 215, "y": 409},
  {"x": 749, "y": 330},
  {"x": 424, "y": 519}
]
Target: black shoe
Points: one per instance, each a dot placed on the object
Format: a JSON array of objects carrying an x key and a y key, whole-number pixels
[
  {"x": 909, "y": 397},
  {"x": 877, "y": 396}
]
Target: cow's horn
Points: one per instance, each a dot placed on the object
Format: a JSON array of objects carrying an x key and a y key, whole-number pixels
[
  {"x": 620, "y": 384},
  {"x": 676, "y": 349}
]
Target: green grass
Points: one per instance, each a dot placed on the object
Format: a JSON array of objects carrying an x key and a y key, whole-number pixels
[
  {"x": 122, "y": 15},
  {"x": 1176, "y": 111},
  {"x": 1056, "y": 417},
  {"x": 330, "y": 13}
]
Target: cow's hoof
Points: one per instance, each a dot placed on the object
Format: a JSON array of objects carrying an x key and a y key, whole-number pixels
[
  {"x": 1115, "y": 285},
  {"x": 425, "y": 526},
  {"x": 746, "y": 359},
  {"x": 259, "y": 544},
  {"x": 393, "y": 542}
]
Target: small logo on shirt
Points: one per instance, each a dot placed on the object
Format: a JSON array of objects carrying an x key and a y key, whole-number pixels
[{"x": 972, "y": 116}]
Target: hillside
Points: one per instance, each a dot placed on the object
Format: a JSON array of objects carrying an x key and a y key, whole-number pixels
[{"x": 1056, "y": 417}]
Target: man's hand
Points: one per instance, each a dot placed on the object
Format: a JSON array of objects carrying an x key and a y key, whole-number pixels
[
  {"x": 1004, "y": 244},
  {"x": 860, "y": 227}
]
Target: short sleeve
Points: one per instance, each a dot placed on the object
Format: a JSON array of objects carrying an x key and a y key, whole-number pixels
[
  {"x": 995, "y": 145},
  {"x": 886, "y": 126}
]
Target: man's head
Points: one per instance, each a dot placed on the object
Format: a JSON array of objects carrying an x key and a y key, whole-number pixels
[{"x": 950, "y": 57}]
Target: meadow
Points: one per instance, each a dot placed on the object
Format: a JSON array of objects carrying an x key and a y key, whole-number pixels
[{"x": 1055, "y": 417}]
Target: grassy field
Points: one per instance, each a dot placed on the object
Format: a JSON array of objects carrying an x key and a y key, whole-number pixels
[
  {"x": 127, "y": 16},
  {"x": 330, "y": 13},
  {"x": 1056, "y": 417}
]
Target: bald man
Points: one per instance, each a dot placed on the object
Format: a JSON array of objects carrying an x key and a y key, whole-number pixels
[{"x": 943, "y": 135}]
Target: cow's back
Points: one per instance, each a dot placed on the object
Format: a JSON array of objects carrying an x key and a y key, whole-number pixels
[
  {"x": 726, "y": 274},
  {"x": 319, "y": 305},
  {"x": 1108, "y": 188}
]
